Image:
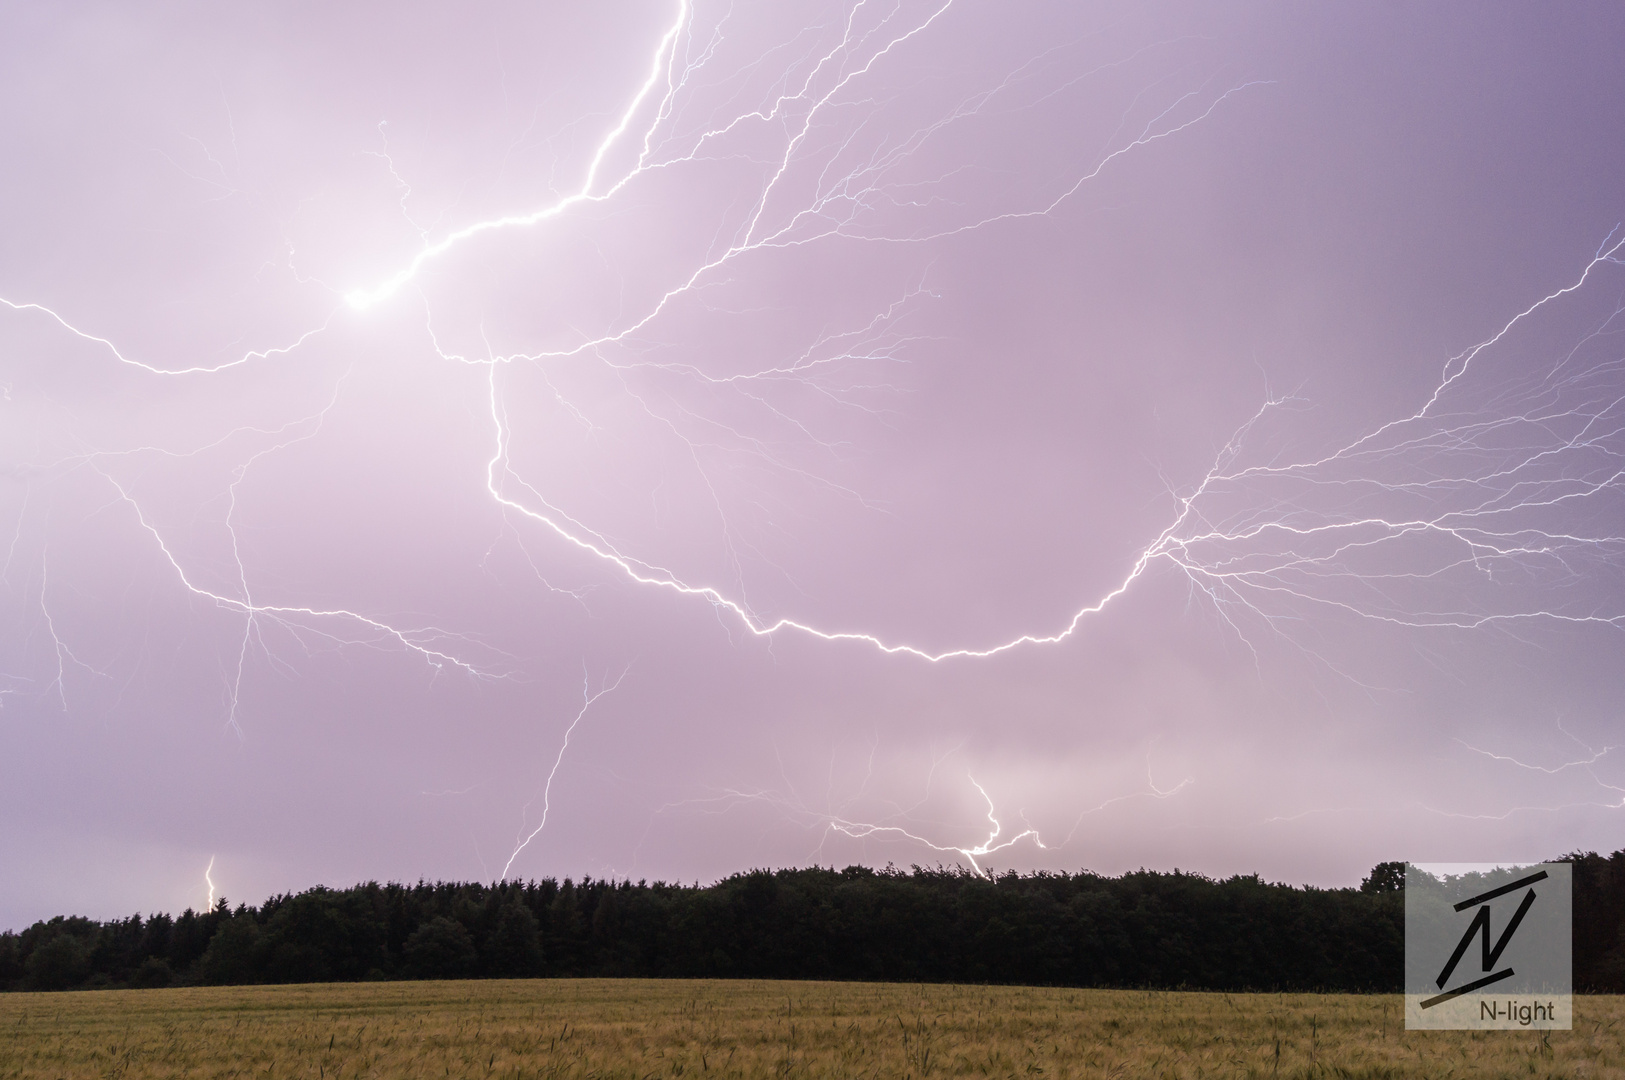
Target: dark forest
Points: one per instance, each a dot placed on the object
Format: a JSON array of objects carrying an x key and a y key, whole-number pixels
[{"x": 1143, "y": 929}]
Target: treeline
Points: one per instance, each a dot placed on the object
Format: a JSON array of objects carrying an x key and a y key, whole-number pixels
[{"x": 1143, "y": 929}]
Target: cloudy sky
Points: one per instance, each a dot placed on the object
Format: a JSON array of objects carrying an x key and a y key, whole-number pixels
[{"x": 1019, "y": 435}]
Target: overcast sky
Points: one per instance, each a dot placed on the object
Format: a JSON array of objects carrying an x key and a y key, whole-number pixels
[{"x": 384, "y": 382}]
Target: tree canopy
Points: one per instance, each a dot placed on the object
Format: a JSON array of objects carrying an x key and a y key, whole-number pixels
[{"x": 1143, "y": 929}]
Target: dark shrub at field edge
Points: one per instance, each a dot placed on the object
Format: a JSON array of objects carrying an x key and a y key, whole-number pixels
[{"x": 1142, "y": 929}]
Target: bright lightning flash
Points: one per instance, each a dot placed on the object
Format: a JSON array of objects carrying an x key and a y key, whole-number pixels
[{"x": 1412, "y": 524}]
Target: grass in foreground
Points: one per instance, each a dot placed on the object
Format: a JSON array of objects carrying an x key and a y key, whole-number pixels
[{"x": 642, "y": 1028}]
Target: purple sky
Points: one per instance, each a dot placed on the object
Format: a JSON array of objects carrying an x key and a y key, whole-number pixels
[{"x": 381, "y": 382}]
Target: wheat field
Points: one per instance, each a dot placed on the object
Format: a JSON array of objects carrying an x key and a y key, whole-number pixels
[{"x": 643, "y": 1028}]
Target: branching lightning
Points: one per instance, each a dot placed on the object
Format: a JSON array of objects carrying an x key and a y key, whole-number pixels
[
  {"x": 1615, "y": 800},
  {"x": 1491, "y": 505},
  {"x": 845, "y": 821},
  {"x": 990, "y": 846},
  {"x": 196, "y": 369},
  {"x": 843, "y": 196},
  {"x": 1232, "y": 561},
  {"x": 588, "y": 696},
  {"x": 836, "y": 210}
]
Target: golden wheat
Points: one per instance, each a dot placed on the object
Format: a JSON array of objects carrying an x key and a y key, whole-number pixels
[{"x": 606, "y": 1028}]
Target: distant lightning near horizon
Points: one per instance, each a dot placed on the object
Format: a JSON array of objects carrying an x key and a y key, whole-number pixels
[
  {"x": 588, "y": 696},
  {"x": 1487, "y": 504}
]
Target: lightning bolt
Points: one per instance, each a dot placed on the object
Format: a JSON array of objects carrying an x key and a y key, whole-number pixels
[
  {"x": 819, "y": 92},
  {"x": 1241, "y": 573},
  {"x": 587, "y": 698},
  {"x": 831, "y": 823},
  {"x": 1243, "y": 567},
  {"x": 989, "y": 846},
  {"x": 1587, "y": 765},
  {"x": 1412, "y": 524},
  {"x": 800, "y": 109},
  {"x": 64, "y": 655}
]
